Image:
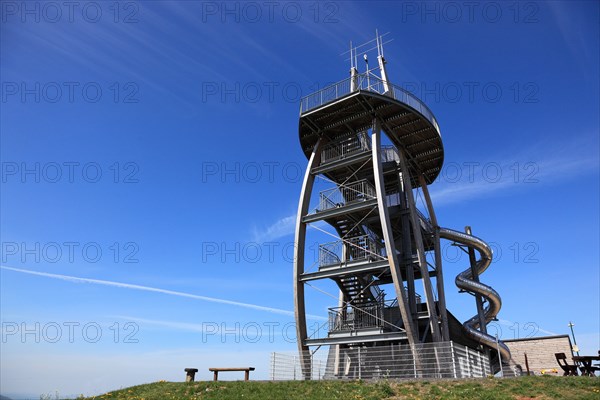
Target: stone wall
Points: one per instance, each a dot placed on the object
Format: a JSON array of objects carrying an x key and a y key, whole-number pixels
[{"x": 540, "y": 352}]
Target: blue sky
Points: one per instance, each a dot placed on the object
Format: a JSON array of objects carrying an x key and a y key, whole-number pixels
[{"x": 151, "y": 171}]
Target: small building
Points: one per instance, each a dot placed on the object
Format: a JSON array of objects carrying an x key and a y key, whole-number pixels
[{"x": 540, "y": 352}]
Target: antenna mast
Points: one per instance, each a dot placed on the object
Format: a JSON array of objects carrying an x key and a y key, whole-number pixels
[{"x": 364, "y": 49}]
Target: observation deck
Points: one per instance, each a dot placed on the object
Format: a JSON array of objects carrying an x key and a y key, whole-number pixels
[{"x": 350, "y": 105}]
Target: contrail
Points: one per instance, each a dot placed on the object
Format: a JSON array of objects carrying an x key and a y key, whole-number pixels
[
  {"x": 76, "y": 279},
  {"x": 532, "y": 324}
]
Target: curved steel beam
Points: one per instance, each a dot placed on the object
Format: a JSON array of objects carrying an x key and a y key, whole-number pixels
[
  {"x": 388, "y": 237},
  {"x": 434, "y": 322},
  {"x": 439, "y": 278},
  {"x": 299, "y": 248}
]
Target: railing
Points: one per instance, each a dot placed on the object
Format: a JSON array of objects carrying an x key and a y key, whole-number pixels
[
  {"x": 359, "y": 248},
  {"x": 389, "y": 153},
  {"x": 446, "y": 360},
  {"x": 363, "y": 247},
  {"x": 346, "y": 146},
  {"x": 354, "y": 144},
  {"x": 328, "y": 254},
  {"x": 370, "y": 83},
  {"x": 418, "y": 298},
  {"x": 365, "y": 316},
  {"x": 426, "y": 222},
  {"x": 286, "y": 366},
  {"x": 347, "y": 194}
]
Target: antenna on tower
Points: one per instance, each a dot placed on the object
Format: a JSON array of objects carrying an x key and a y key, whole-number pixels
[
  {"x": 364, "y": 49},
  {"x": 380, "y": 43},
  {"x": 351, "y": 56}
]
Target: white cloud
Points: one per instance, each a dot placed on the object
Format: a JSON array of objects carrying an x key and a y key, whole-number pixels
[
  {"x": 487, "y": 178},
  {"x": 281, "y": 228}
]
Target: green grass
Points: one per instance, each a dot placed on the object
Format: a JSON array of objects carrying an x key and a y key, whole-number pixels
[{"x": 525, "y": 388}]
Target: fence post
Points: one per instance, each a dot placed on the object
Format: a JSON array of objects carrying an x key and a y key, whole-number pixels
[
  {"x": 453, "y": 359},
  {"x": 483, "y": 369},
  {"x": 359, "y": 365},
  {"x": 499, "y": 357},
  {"x": 412, "y": 352},
  {"x": 273, "y": 366},
  {"x": 319, "y": 371},
  {"x": 468, "y": 363}
]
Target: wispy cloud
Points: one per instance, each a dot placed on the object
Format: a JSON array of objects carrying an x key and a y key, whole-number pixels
[
  {"x": 569, "y": 21},
  {"x": 281, "y": 228},
  {"x": 184, "y": 326},
  {"x": 75, "y": 279},
  {"x": 284, "y": 227},
  {"x": 528, "y": 174},
  {"x": 511, "y": 324},
  {"x": 211, "y": 328}
]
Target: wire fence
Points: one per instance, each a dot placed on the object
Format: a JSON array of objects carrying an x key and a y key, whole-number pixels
[
  {"x": 287, "y": 366},
  {"x": 423, "y": 361}
]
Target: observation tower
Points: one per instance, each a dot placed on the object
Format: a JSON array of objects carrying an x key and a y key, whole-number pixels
[{"x": 379, "y": 148}]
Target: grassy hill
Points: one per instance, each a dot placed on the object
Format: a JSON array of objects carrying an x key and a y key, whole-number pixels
[{"x": 525, "y": 388}]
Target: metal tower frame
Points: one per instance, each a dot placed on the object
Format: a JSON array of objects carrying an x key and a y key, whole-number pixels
[{"x": 383, "y": 237}]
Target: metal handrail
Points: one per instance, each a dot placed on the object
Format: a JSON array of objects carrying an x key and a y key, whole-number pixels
[
  {"x": 328, "y": 256},
  {"x": 425, "y": 221},
  {"x": 346, "y": 194},
  {"x": 345, "y": 146},
  {"x": 389, "y": 153},
  {"x": 359, "y": 248},
  {"x": 353, "y": 144},
  {"x": 369, "y": 83},
  {"x": 369, "y": 315}
]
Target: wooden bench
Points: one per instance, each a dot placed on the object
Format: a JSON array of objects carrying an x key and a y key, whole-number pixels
[{"x": 217, "y": 370}]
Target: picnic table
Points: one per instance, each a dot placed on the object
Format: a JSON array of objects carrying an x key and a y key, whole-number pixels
[{"x": 587, "y": 369}]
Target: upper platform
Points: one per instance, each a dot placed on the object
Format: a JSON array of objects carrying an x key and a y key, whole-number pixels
[{"x": 343, "y": 108}]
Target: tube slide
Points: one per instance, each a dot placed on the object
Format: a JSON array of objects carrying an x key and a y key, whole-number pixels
[{"x": 465, "y": 281}]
